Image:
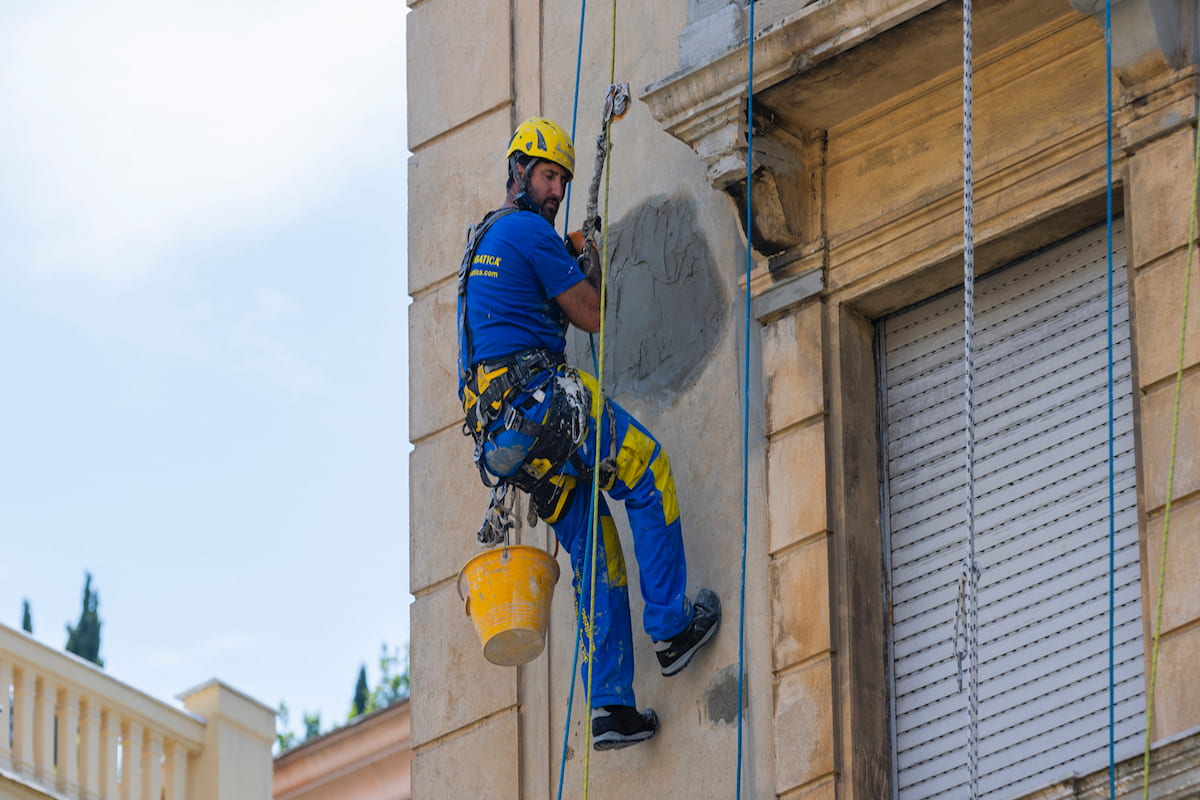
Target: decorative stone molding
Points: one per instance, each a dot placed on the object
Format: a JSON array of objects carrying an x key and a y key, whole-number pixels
[
  {"x": 787, "y": 186},
  {"x": 790, "y": 37},
  {"x": 1148, "y": 35},
  {"x": 1157, "y": 108},
  {"x": 704, "y": 105},
  {"x": 785, "y": 295},
  {"x": 787, "y": 172}
]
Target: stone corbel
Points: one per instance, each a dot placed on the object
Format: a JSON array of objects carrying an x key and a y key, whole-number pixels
[
  {"x": 786, "y": 181},
  {"x": 787, "y": 192}
]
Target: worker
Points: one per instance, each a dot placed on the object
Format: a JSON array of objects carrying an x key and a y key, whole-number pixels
[{"x": 533, "y": 419}]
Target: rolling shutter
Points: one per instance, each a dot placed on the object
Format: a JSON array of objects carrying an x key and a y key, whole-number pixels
[{"x": 1042, "y": 526}]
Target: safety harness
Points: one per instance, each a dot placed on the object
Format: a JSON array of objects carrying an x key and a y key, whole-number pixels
[{"x": 497, "y": 397}]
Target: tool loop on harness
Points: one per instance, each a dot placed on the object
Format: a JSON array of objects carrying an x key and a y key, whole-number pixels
[
  {"x": 498, "y": 519},
  {"x": 498, "y": 398}
]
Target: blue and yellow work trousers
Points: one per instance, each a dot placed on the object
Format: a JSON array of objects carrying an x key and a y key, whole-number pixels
[{"x": 643, "y": 481}]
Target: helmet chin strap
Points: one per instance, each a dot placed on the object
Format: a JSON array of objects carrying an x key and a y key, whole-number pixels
[{"x": 522, "y": 200}]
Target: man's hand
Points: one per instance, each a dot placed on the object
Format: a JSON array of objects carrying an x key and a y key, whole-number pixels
[
  {"x": 581, "y": 303},
  {"x": 586, "y": 256}
]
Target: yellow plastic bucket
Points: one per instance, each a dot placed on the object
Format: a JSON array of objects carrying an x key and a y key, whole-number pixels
[{"x": 507, "y": 593}]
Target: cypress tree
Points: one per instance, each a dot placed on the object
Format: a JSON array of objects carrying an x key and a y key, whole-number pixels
[
  {"x": 362, "y": 694},
  {"x": 26, "y": 616},
  {"x": 83, "y": 639}
]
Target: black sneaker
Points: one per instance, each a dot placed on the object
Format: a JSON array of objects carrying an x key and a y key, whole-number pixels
[
  {"x": 675, "y": 653},
  {"x": 620, "y": 726}
]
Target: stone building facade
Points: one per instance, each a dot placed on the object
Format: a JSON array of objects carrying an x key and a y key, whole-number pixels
[{"x": 858, "y": 221}]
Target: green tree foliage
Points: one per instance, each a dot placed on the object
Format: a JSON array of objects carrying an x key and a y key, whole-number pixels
[
  {"x": 284, "y": 739},
  {"x": 393, "y": 687},
  {"x": 312, "y": 725},
  {"x": 26, "y": 616},
  {"x": 83, "y": 639},
  {"x": 287, "y": 739},
  {"x": 393, "y": 682},
  {"x": 362, "y": 694}
]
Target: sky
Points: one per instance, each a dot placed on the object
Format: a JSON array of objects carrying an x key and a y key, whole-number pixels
[{"x": 203, "y": 338}]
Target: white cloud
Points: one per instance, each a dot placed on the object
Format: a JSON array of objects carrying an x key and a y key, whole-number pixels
[{"x": 134, "y": 127}]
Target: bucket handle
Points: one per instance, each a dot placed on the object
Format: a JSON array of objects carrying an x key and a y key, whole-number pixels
[{"x": 461, "y": 596}]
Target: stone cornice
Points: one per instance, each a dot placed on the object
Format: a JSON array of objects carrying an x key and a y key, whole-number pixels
[
  {"x": 1158, "y": 107},
  {"x": 697, "y": 103}
]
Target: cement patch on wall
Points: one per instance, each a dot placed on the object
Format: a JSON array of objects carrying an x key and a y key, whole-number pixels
[
  {"x": 721, "y": 697},
  {"x": 666, "y": 304}
]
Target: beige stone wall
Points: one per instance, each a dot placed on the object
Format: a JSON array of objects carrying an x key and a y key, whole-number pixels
[
  {"x": 1158, "y": 136},
  {"x": 474, "y": 72},
  {"x": 456, "y": 133},
  {"x": 859, "y": 215}
]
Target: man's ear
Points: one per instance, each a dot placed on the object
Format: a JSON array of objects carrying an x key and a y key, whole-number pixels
[{"x": 516, "y": 176}]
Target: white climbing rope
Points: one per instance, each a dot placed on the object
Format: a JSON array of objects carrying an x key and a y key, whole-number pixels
[{"x": 968, "y": 608}]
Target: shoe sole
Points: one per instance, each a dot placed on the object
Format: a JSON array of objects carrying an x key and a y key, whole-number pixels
[
  {"x": 615, "y": 741},
  {"x": 686, "y": 658}
]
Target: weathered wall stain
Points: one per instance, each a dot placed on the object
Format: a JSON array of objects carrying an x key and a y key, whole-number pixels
[
  {"x": 721, "y": 696},
  {"x": 666, "y": 305}
]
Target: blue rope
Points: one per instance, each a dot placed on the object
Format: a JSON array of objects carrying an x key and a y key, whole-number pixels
[
  {"x": 567, "y": 205},
  {"x": 575, "y": 108},
  {"x": 562, "y": 760},
  {"x": 746, "y": 396},
  {"x": 1112, "y": 492}
]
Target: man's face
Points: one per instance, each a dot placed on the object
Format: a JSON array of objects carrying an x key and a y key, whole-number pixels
[{"x": 546, "y": 186}]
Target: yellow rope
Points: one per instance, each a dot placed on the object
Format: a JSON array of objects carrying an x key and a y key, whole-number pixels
[
  {"x": 1162, "y": 562},
  {"x": 598, "y": 411}
]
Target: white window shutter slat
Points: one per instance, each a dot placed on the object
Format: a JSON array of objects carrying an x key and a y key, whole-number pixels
[{"x": 1042, "y": 526}]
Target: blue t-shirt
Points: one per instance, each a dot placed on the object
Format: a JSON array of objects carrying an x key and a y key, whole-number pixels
[{"x": 520, "y": 266}]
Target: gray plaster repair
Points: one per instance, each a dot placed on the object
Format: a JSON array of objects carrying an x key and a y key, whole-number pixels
[
  {"x": 666, "y": 304},
  {"x": 721, "y": 696}
]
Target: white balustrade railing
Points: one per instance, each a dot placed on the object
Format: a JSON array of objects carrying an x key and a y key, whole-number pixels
[{"x": 82, "y": 735}]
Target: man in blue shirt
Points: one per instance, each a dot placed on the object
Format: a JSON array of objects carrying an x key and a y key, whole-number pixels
[{"x": 533, "y": 419}]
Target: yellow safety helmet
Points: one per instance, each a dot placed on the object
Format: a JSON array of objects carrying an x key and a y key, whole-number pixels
[{"x": 542, "y": 138}]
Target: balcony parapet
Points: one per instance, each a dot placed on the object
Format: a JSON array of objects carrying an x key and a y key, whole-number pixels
[{"x": 70, "y": 731}]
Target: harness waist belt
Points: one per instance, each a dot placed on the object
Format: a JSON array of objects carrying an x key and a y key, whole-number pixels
[{"x": 484, "y": 406}]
